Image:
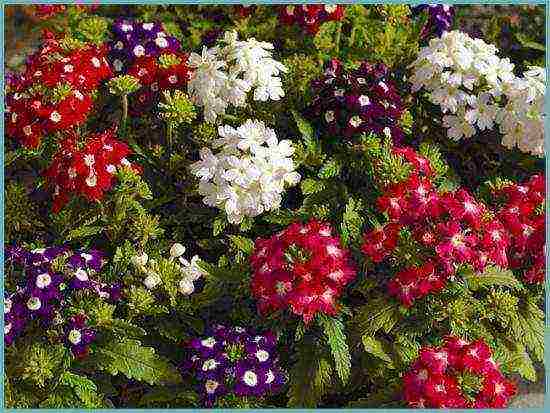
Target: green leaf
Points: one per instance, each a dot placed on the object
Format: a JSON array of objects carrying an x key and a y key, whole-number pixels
[
  {"x": 525, "y": 42},
  {"x": 311, "y": 186},
  {"x": 336, "y": 338},
  {"x": 491, "y": 276},
  {"x": 83, "y": 232},
  {"x": 244, "y": 244},
  {"x": 133, "y": 360},
  {"x": 84, "y": 388},
  {"x": 374, "y": 347},
  {"x": 378, "y": 314},
  {"x": 124, "y": 328},
  {"x": 352, "y": 222},
  {"x": 304, "y": 127},
  {"x": 330, "y": 169}
]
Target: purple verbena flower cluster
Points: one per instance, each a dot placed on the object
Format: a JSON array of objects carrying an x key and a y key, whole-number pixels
[
  {"x": 135, "y": 39},
  {"x": 44, "y": 288},
  {"x": 440, "y": 18},
  {"x": 78, "y": 336},
  {"x": 351, "y": 102},
  {"x": 233, "y": 361}
]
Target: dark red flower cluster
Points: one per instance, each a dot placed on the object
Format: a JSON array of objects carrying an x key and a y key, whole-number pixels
[
  {"x": 450, "y": 229},
  {"x": 303, "y": 268},
  {"x": 457, "y": 375},
  {"x": 157, "y": 74},
  {"x": 311, "y": 16},
  {"x": 88, "y": 170},
  {"x": 523, "y": 215},
  {"x": 55, "y": 91},
  {"x": 351, "y": 102},
  {"x": 45, "y": 11}
]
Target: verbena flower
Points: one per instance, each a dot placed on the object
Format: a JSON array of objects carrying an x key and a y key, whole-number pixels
[{"x": 309, "y": 17}]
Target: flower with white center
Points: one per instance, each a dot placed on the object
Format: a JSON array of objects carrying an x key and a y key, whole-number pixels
[
  {"x": 209, "y": 364},
  {"x": 329, "y": 116},
  {"x": 148, "y": 26},
  {"x": 74, "y": 336},
  {"x": 161, "y": 42},
  {"x": 139, "y": 50},
  {"x": 250, "y": 378},
  {"x": 110, "y": 168},
  {"x": 262, "y": 355},
  {"x": 68, "y": 68},
  {"x": 211, "y": 386},
  {"x": 89, "y": 159},
  {"x": 177, "y": 250},
  {"x": 43, "y": 280},
  {"x": 364, "y": 100},
  {"x": 55, "y": 116},
  {"x": 355, "y": 121},
  {"x": 152, "y": 280},
  {"x": 7, "y": 329},
  {"x": 81, "y": 274},
  {"x": 96, "y": 62},
  {"x": 34, "y": 303},
  {"x": 27, "y": 130},
  {"x": 118, "y": 65},
  {"x": 250, "y": 172},
  {"x": 91, "y": 180}
]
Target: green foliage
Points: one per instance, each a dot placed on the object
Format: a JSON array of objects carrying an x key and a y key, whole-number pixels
[
  {"x": 176, "y": 108},
  {"x": 123, "y": 85},
  {"x": 335, "y": 336}
]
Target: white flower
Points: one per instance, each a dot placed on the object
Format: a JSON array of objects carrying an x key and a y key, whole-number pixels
[
  {"x": 43, "y": 280},
  {"x": 74, "y": 336},
  {"x": 186, "y": 286},
  {"x": 262, "y": 355},
  {"x": 191, "y": 269},
  {"x": 250, "y": 378},
  {"x": 81, "y": 274},
  {"x": 177, "y": 250},
  {"x": 249, "y": 173},
  {"x": 34, "y": 303},
  {"x": 152, "y": 280},
  {"x": 225, "y": 74},
  {"x": 209, "y": 364},
  {"x": 140, "y": 260},
  {"x": 208, "y": 342}
]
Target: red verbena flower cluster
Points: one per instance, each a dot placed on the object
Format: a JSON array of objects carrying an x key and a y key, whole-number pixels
[
  {"x": 45, "y": 11},
  {"x": 55, "y": 91},
  {"x": 523, "y": 215},
  {"x": 450, "y": 230},
  {"x": 310, "y": 16},
  {"x": 88, "y": 169},
  {"x": 303, "y": 268},
  {"x": 157, "y": 74},
  {"x": 458, "y": 374}
]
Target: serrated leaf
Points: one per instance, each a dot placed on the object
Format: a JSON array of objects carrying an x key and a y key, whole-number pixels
[
  {"x": 378, "y": 314},
  {"x": 330, "y": 169},
  {"x": 83, "y": 232},
  {"x": 374, "y": 346},
  {"x": 304, "y": 127},
  {"x": 244, "y": 244},
  {"x": 336, "y": 339},
  {"x": 137, "y": 362},
  {"x": 84, "y": 388},
  {"x": 311, "y": 186},
  {"x": 492, "y": 276},
  {"x": 124, "y": 328}
]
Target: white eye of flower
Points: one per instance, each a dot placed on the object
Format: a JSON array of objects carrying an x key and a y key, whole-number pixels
[
  {"x": 148, "y": 26},
  {"x": 333, "y": 250},
  {"x": 262, "y": 355},
  {"x": 355, "y": 121},
  {"x": 27, "y": 130},
  {"x": 211, "y": 386},
  {"x": 89, "y": 159},
  {"x": 87, "y": 257},
  {"x": 91, "y": 180},
  {"x": 96, "y": 62},
  {"x": 250, "y": 378},
  {"x": 173, "y": 79},
  {"x": 139, "y": 50},
  {"x": 81, "y": 275},
  {"x": 68, "y": 68},
  {"x": 364, "y": 100},
  {"x": 161, "y": 42},
  {"x": 126, "y": 27},
  {"x": 34, "y": 303},
  {"x": 55, "y": 116},
  {"x": 269, "y": 377},
  {"x": 330, "y": 8},
  {"x": 7, "y": 329},
  {"x": 361, "y": 80},
  {"x": 329, "y": 116},
  {"x": 208, "y": 342},
  {"x": 43, "y": 280},
  {"x": 118, "y": 65},
  {"x": 74, "y": 336},
  {"x": 186, "y": 286},
  {"x": 154, "y": 86},
  {"x": 387, "y": 132},
  {"x": 209, "y": 364},
  {"x": 142, "y": 72},
  {"x": 7, "y": 305},
  {"x": 110, "y": 168}
]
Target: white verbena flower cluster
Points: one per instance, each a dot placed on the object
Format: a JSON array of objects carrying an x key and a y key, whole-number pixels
[
  {"x": 476, "y": 88},
  {"x": 249, "y": 173},
  {"x": 190, "y": 270},
  {"x": 225, "y": 74}
]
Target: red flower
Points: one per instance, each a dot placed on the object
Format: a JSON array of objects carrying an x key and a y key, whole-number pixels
[{"x": 302, "y": 268}]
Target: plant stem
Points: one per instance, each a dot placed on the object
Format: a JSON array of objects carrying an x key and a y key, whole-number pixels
[
  {"x": 169, "y": 135},
  {"x": 124, "y": 113}
]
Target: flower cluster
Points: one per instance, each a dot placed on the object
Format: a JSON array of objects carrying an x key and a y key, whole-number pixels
[
  {"x": 363, "y": 100},
  {"x": 458, "y": 374},
  {"x": 234, "y": 361},
  {"x": 45, "y": 11},
  {"x": 440, "y": 18},
  {"x": 249, "y": 174},
  {"x": 49, "y": 277},
  {"x": 225, "y": 74},
  {"x": 522, "y": 213},
  {"x": 134, "y": 40},
  {"x": 467, "y": 79},
  {"x": 303, "y": 268},
  {"x": 310, "y": 16},
  {"x": 55, "y": 92},
  {"x": 88, "y": 171},
  {"x": 190, "y": 270},
  {"x": 448, "y": 230}
]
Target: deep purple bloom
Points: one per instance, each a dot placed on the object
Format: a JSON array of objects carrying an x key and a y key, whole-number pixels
[
  {"x": 440, "y": 18},
  {"x": 78, "y": 336},
  {"x": 233, "y": 360}
]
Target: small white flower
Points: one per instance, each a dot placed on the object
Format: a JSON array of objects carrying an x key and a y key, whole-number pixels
[
  {"x": 139, "y": 50},
  {"x": 269, "y": 377},
  {"x": 355, "y": 121},
  {"x": 364, "y": 100},
  {"x": 208, "y": 342},
  {"x": 91, "y": 180},
  {"x": 55, "y": 116},
  {"x": 329, "y": 116},
  {"x": 96, "y": 62},
  {"x": 177, "y": 250},
  {"x": 262, "y": 355},
  {"x": 7, "y": 305},
  {"x": 81, "y": 274},
  {"x": 211, "y": 386},
  {"x": 186, "y": 286},
  {"x": 68, "y": 68},
  {"x": 209, "y": 364},
  {"x": 148, "y": 26},
  {"x": 173, "y": 79},
  {"x": 27, "y": 130},
  {"x": 161, "y": 42},
  {"x": 89, "y": 159},
  {"x": 118, "y": 65},
  {"x": 75, "y": 336},
  {"x": 110, "y": 168}
]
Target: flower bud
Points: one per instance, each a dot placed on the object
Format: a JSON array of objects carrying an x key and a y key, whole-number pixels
[
  {"x": 152, "y": 280},
  {"x": 177, "y": 250},
  {"x": 186, "y": 286}
]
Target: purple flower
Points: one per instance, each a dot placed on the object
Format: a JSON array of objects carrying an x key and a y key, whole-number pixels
[
  {"x": 78, "y": 336},
  {"x": 233, "y": 360},
  {"x": 440, "y": 18}
]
